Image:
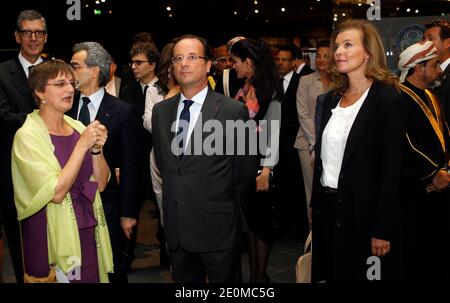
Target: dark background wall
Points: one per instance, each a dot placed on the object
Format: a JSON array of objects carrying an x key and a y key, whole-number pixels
[
  {"x": 309, "y": 20},
  {"x": 214, "y": 20}
]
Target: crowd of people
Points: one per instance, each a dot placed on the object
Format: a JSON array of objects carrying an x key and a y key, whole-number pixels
[{"x": 349, "y": 152}]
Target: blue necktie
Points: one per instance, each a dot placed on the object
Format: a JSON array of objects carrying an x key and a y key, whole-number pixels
[
  {"x": 84, "y": 116},
  {"x": 186, "y": 116}
]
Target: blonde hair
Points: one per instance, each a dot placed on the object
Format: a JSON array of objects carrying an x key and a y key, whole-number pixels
[{"x": 376, "y": 68}]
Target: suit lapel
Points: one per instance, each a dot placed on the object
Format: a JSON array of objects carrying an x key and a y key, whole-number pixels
[
  {"x": 327, "y": 107},
  {"x": 292, "y": 87},
  {"x": 19, "y": 79},
  {"x": 360, "y": 123},
  {"x": 104, "y": 113}
]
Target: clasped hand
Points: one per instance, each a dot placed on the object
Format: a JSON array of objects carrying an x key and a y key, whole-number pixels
[{"x": 95, "y": 135}]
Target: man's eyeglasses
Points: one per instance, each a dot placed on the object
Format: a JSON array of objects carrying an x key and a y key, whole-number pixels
[
  {"x": 138, "y": 62},
  {"x": 224, "y": 60},
  {"x": 27, "y": 33},
  {"x": 190, "y": 58},
  {"x": 62, "y": 84},
  {"x": 76, "y": 66}
]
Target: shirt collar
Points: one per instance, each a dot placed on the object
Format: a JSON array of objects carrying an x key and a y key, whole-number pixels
[
  {"x": 199, "y": 98},
  {"x": 288, "y": 76},
  {"x": 445, "y": 64},
  {"x": 96, "y": 98},
  {"x": 299, "y": 69},
  {"x": 154, "y": 80},
  {"x": 25, "y": 63}
]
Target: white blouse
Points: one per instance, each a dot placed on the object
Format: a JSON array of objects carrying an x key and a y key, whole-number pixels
[{"x": 334, "y": 140}]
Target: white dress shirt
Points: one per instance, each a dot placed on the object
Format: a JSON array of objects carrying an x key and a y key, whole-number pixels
[
  {"x": 299, "y": 68},
  {"x": 286, "y": 80},
  {"x": 194, "y": 110},
  {"x": 445, "y": 64},
  {"x": 334, "y": 140},
  {"x": 152, "y": 96},
  {"x": 26, "y": 64},
  {"x": 93, "y": 106}
]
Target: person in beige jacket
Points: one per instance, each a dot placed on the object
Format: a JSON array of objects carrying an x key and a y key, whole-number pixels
[{"x": 309, "y": 88}]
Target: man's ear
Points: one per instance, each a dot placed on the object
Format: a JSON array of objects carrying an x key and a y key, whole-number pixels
[
  {"x": 419, "y": 68},
  {"x": 208, "y": 66},
  {"x": 16, "y": 34},
  {"x": 447, "y": 44},
  {"x": 153, "y": 66}
]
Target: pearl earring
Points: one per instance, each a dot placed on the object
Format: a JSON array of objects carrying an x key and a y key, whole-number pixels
[{"x": 43, "y": 102}]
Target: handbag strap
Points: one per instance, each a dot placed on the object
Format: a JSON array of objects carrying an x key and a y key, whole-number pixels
[{"x": 308, "y": 243}]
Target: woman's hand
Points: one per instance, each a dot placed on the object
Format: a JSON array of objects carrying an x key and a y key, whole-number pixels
[
  {"x": 102, "y": 136},
  {"x": 380, "y": 247},
  {"x": 90, "y": 135}
]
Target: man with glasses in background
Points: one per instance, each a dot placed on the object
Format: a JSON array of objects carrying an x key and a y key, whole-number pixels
[
  {"x": 16, "y": 102},
  {"x": 222, "y": 60},
  {"x": 139, "y": 94}
]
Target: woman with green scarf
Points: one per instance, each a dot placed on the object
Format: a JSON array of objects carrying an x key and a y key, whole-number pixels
[{"x": 58, "y": 170}]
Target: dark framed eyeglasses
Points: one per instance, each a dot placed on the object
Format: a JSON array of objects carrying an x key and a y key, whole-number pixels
[
  {"x": 62, "y": 84},
  {"x": 190, "y": 58},
  {"x": 137, "y": 62},
  {"x": 27, "y": 33}
]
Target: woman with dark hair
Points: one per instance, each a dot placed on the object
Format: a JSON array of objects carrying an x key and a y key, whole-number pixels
[
  {"x": 58, "y": 170},
  {"x": 253, "y": 60},
  {"x": 355, "y": 199}
]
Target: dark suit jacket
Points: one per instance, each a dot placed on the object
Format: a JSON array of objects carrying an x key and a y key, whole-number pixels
[
  {"x": 368, "y": 203},
  {"x": 120, "y": 151},
  {"x": 443, "y": 93},
  {"x": 234, "y": 83},
  {"x": 133, "y": 95},
  {"x": 16, "y": 101},
  {"x": 202, "y": 195},
  {"x": 289, "y": 117}
]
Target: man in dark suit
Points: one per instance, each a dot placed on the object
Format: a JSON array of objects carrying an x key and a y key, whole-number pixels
[
  {"x": 290, "y": 188},
  {"x": 90, "y": 62},
  {"x": 144, "y": 61},
  {"x": 16, "y": 102},
  {"x": 439, "y": 33},
  {"x": 202, "y": 194}
]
